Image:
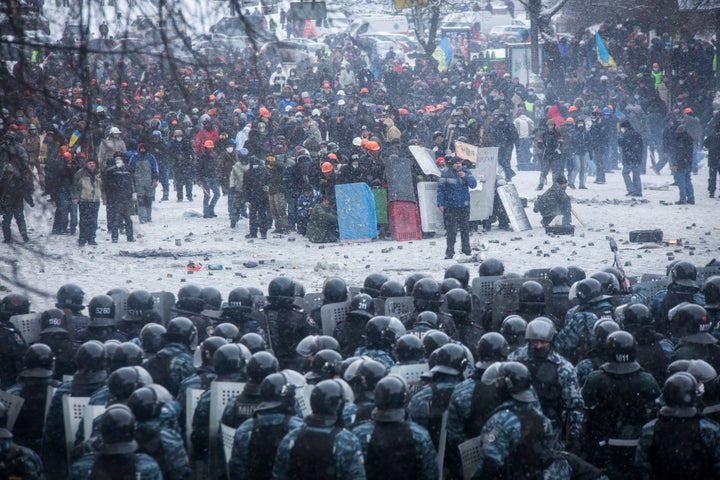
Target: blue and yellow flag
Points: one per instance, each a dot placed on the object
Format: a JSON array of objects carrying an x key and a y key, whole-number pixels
[
  {"x": 74, "y": 138},
  {"x": 604, "y": 57},
  {"x": 443, "y": 54}
]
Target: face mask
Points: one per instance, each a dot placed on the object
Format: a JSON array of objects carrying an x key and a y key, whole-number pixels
[
  {"x": 178, "y": 139},
  {"x": 538, "y": 352},
  {"x": 118, "y": 163},
  {"x": 229, "y": 149},
  {"x": 355, "y": 165},
  {"x": 255, "y": 166}
]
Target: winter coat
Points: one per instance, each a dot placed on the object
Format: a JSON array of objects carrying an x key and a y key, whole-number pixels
[
  {"x": 683, "y": 151},
  {"x": 454, "y": 191},
  {"x": 108, "y": 147},
  {"x": 207, "y": 166},
  {"x": 224, "y": 165},
  {"x": 392, "y": 131},
  {"x": 237, "y": 175},
  {"x": 88, "y": 186},
  {"x": 322, "y": 225},
  {"x": 712, "y": 143},
  {"x": 13, "y": 189},
  {"x": 549, "y": 202},
  {"x": 119, "y": 184},
  {"x": 183, "y": 157},
  {"x": 631, "y": 146},
  {"x": 202, "y": 136},
  {"x": 145, "y": 172},
  {"x": 59, "y": 176},
  {"x": 256, "y": 185}
]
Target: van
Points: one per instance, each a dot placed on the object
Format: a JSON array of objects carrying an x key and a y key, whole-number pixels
[
  {"x": 479, "y": 21},
  {"x": 379, "y": 24}
]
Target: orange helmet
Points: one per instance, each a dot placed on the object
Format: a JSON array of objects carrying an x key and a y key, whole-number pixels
[
  {"x": 209, "y": 144},
  {"x": 212, "y": 98},
  {"x": 372, "y": 146},
  {"x": 326, "y": 167},
  {"x": 264, "y": 112}
]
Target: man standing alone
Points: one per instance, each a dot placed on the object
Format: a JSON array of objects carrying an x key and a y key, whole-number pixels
[
  {"x": 631, "y": 146},
  {"x": 453, "y": 200}
]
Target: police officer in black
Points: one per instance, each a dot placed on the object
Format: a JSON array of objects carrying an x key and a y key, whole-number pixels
[
  {"x": 691, "y": 324},
  {"x": 349, "y": 332},
  {"x": 363, "y": 375},
  {"x": 139, "y": 312},
  {"x": 190, "y": 304},
  {"x": 560, "y": 278},
  {"x": 653, "y": 350},
  {"x": 427, "y": 298},
  {"x": 334, "y": 290},
  {"x": 70, "y": 301},
  {"x": 285, "y": 324},
  {"x": 102, "y": 322},
  {"x": 237, "y": 310},
  {"x": 242, "y": 407},
  {"x": 12, "y": 344},
  {"x": 54, "y": 333},
  {"x": 459, "y": 304},
  {"x": 683, "y": 287},
  {"x": 33, "y": 382}
]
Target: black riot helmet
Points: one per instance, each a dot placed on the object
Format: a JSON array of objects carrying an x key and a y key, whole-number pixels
[
  {"x": 460, "y": 273},
  {"x": 409, "y": 348},
  {"x": 426, "y": 294},
  {"x": 188, "y": 298},
  {"x": 684, "y": 273},
  {"x": 362, "y": 305},
  {"x": 382, "y": 331},
  {"x": 230, "y": 359},
  {"x": 492, "y": 347},
  {"x": 680, "y": 391},
  {"x": 281, "y": 287},
  {"x": 334, "y": 290},
  {"x": 701, "y": 370},
  {"x": 512, "y": 379},
  {"x": 147, "y": 402},
  {"x": 691, "y": 321},
  {"x": 211, "y": 298},
  {"x": 38, "y": 362},
  {"x": 228, "y": 331},
  {"x": 531, "y": 293},
  {"x": 427, "y": 319},
  {"x": 541, "y": 329},
  {"x": 711, "y": 291},
  {"x": 14, "y": 304},
  {"x": 260, "y": 365},
  {"x": 449, "y": 284},
  {"x": 70, "y": 296},
  {"x": 411, "y": 280},
  {"x": 127, "y": 354},
  {"x": 390, "y": 395},
  {"x": 329, "y": 396},
  {"x": 458, "y": 300},
  {"x": 91, "y": 357},
  {"x": 254, "y": 342},
  {"x": 278, "y": 389},
  {"x": 392, "y": 289},
  {"x": 513, "y": 329},
  {"x": 299, "y": 289},
  {"x": 434, "y": 339},
  {"x": 587, "y": 291},
  {"x": 312, "y": 344},
  {"x": 207, "y": 349},
  {"x": 637, "y": 315},
  {"x": 117, "y": 291},
  {"x": 138, "y": 302},
  {"x": 124, "y": 381},
  {"x": 117, "y": 430},
  {"x": 152, "y": 337},
  {"x": 608, "y": 282},
  {"x": 325, "y": 365},
  {"x": 450, "y": 360},
  {"x": 603, "y": 328},
  {"x": 491, "y": 267},
  {"x": 621, "y": 346},
  {"x": 364, "y": 373},
  {"x": 182, "y": 330},
  {"x": 101, "y": 310},
  {"x": 372, "y": 284},
  {"x": 615, "y": 273},
  {"x": 559, "y": 276},
  {"x": 240, "y": 298},
  {"x": 575, "y": 274}
]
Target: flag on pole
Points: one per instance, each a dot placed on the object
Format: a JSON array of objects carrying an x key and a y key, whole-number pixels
[
  {"x": 443, "y": 54},
  {"x": 604, "y": 57}
]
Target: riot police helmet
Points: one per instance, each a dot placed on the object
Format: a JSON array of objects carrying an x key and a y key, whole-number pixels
[
  {"x": 362, "y": 305},
  {"x": 254, "y": 342},
  {"x": 334, "y": 290},
  {"x": 691, "y": 322},
  {"x": 91, "y": 357},
  {"x": 239, "y": 298},
  {"x": 608, "y": 282},
  {"x": 207, "y": 349},
  {"x": 152, "y": 337},
  {"x": 684, "y": 273},
  {"x": 513, "y": 329},
  {"x": 125, "y": 380},
  {"x": 491, "y": 267},
  {"x": 575, "y": 274},
  {"x": 541, "y": 329},
  {"x": 711, "y": 291},
  {"x": 228, "y": 331},
  {"x": 182, "y": 330},
  {"x": 117, "y": 430},
  {"x": 637, "y": 315},
  {"x": 427, "y": 319},
  {"x": 260, "y": 365},
  {"x": 622, "y": 352},
  {"x": 70, "y": 296},
  {"x": 372, "y": 284},
  {"x": 325, "y": 364},
  {"x": 126, "y": 354},
  {"x": 426, "y": 294},
  {"x": 602, "y": 328},
  {"x": 147, "y": 402},
  {"x": 512, "y": 379},
  {"x": 460, "y": 273},
  {"x": 211, "y": 298},
  {"x": 392, "y": 289},
  {"x": 587, "y": 291},
  {"x": 559, "y": 276},
  {"x": 230, "y": 359},
  {"x": 492, "y": 347},
  {"x": 434, "y": 339},
  {"x": 312, "y": 344},
  {"x": 364, "y": 373},
  {"x": 390, "y": 395},
  {"x": 449, "y": 284},
  {"x": 409, "y": 348},
  {"x": 281, "y": 287},
  {"x": 382, "y": 331},
  {"x": 450, "y": 360},
  {"x": 188, "y": 298},
  {"x": 278, "y": 389},
  {"x": 14, "y": 304},
  {"x": 411, "y": 280},
  {"x": 458, "y": 300},
  {"x": 329, "y": 396},
  {"x": 680, "y": 393},
  {"x": 531, "y": 293},
  {"x": 101, "y": 310},
  {"x": 138, "y": 302},
  {"x": 38, "y": 362}
]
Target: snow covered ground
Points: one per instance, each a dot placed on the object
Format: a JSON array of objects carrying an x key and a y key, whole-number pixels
[{"x": 49, "y": 261}]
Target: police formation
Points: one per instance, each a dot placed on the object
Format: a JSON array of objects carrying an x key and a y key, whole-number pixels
[{"x": 568, "y": 375}]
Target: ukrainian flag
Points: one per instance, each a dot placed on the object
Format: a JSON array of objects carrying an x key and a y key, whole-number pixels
[
  {"x": 443, "y": 54},
  {"x": 604, "y": 57},
  {"x": 74, "y": 138}
]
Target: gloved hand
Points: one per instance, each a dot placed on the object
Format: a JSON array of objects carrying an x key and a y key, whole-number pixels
[{"x": 134, "y": 197}]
